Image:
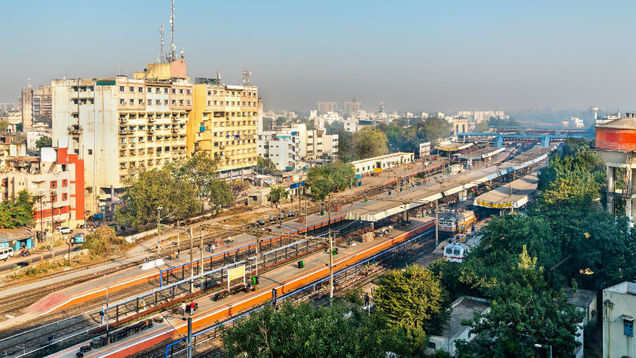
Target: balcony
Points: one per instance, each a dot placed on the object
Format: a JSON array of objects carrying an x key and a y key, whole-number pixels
[
  {"x": 151, "y": 130},
  {"x": 75, "y": 130},
  {"x": 125, "y": 132},
  {"x": 175, "y": 130}
]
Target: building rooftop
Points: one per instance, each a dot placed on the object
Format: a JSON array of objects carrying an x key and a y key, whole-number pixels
[
  {"x": 580, "y": 298},
  {"x": 463, "y": 309},
  {"x": 21, "y": 233},
  {"x": 625, "y": 287},
  {"x": 380, "y": 157}
]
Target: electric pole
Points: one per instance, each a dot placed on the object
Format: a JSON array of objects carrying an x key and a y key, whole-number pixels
[
  {"x": 201, "y": 254},
  {"x": 330, "y": 250},
  {"x": 191, "y": 267},
  {"x": 436, "y": 225}
]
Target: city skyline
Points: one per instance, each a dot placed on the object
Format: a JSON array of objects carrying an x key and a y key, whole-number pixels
[{"x": 413, "y": 57}]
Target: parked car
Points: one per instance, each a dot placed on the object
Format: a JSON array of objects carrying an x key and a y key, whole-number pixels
[
  {"x": 260, "y": 222},
  {"x": 5, "y": 253},
  {"x": 65, "y": 230},
  {"x": 291, "y": 214}
]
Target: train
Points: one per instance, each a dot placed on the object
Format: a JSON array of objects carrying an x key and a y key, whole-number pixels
[{"x": 456, "y": 221}]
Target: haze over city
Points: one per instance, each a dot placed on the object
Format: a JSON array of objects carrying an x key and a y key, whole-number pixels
[{"x": 415, "y": 56}]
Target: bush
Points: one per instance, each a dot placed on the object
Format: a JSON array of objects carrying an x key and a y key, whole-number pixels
[{"x": 104, "y": 242}]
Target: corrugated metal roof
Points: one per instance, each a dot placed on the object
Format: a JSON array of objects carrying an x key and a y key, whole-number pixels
[{"x": 22, "y": 233}]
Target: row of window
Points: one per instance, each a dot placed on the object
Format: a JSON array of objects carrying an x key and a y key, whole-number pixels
[
  {"x": 234, "y": 124},
  {"x": 140, "y": 101},
  {"x": 160, "y": 151},
  {"x": 231, "y": 93},
  {"x": 149, "y": 162},
  {"x": 234, "y": 142},
  {"x": 83, "y": 88},
  {"x": 157, "y": 90},
  {"x": 83, "y": 101},
  {"x": 53, "y": 197},
  {"x": 53, "y": 183},
  {"x": 232, "y": 103},
  {"x": 156, "y": 126},
  {"x": 150, "y": 139},
  {"x": 150, "y": 115}
]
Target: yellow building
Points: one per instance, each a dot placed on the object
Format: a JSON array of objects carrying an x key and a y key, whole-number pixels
[{"x": 223, "y": 125}]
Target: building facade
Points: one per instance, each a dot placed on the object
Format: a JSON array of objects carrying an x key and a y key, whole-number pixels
[
  {"x": 37, "y": 105},
  {"x": 326, "y": 107},
  {"x": 619, "y": 312},
  {"x": 382, "y": 162},
  {"x": 224, "y": 125},
  {"x": 55, "y": 180},
  {"x": 120, "y": 126}
]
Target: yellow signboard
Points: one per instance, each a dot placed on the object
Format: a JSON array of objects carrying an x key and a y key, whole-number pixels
[
  {"x": 237, "y": 272},
  {"x": 377, "y": 170},
  {"x": 494, "y": 205}
]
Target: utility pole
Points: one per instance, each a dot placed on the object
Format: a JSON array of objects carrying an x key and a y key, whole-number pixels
[
  {"x": 191, "y": 267},
  {"x": 436, "y": 225},
  {"x": 201, "y": 254},
  {"x": 189, "y": 340},
  {"x": 107, "y": 318},
  {"x": 330, "y": 250},
  {"x": 159, "y": 231}
]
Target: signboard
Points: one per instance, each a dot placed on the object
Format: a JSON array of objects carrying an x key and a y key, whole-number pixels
[
  {"x": 234, "y": 273},
  {"x": 425, "y": 149}
]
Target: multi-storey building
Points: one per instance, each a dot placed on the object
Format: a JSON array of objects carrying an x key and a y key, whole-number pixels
[
  {"x": 351, "y": 107},
  {"x": 56, "y": 182},
  {"x": 36, "y": 105},
  {"x": 224, "y": 125},
  {"x": 281, "y": 149},
  {"x": 11, "y": 145},
  {"x": 321, "y": 147},
  {"x": 119, "y": 126},
  {"x": 325, "y": 107}
]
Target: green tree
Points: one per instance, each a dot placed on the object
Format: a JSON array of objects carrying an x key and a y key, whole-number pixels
[
  {"x": 369, "y": 142},
  {"x": 524, "y": 312},
  {"x": 412, "y": 298},
  {"x": 333, "y": 177},
  {"x": 104, "y": 242},
  {"x": 432, "y": 129},
  {"x": 266, "y": 166},
  {"x": 278, "y": 193},
  {"x": 17, "y": 213},
  {"x": 44, "y": 142},
  {"x": 156, "y": 188},
  {"x": 280, "y": 121},
  {"x": 300, "y": 330}
]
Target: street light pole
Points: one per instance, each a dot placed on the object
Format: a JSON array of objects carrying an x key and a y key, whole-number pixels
[
  {"x": 330, "y": 251},
  {"x": 201, "y": 254},
  {"x": 159, "y": 231},
  {"x": 191, "y": 267},
  {"x": 436, "y": 225}
]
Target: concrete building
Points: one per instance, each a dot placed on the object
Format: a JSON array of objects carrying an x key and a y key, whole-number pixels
[
  {"x": 382, "y": 162},
  {"x": 11, "y": 145},
  {"x": 37, "y": 105},
  {"x": 462, "y": 309},
  {"x": 224, "y": 125},
  {"x": 321, "y": 147},
  {"x": 281, "y": 149},
  {"x": 351, "y": 107},
  {"x": 325, "y": 107},
  {"x": 120, "y": 126},
  {"x": 55, "y": 180},
  {"x": 619, "y": 311}
]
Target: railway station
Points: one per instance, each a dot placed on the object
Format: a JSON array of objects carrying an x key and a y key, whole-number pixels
[
  {"x": 511, "y": 196},
  {"x": 286, "y": 259}
]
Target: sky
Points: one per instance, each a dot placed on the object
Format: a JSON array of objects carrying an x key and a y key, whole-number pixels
[{"x": 411, "y": 55}]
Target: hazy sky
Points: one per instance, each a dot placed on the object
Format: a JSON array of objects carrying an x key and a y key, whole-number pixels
[{"x": 413, "y": 55}]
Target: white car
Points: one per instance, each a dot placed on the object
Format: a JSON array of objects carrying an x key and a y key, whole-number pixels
[{"x": 65, "y": 230}]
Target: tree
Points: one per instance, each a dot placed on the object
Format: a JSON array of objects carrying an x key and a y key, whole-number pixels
[
  {"x": 44, "y": 142},
  {"x": 300, "y": 330},
  {"x": 280, "y": 121},
  {"x": 266, "y": 166},
  {"x": 156, "y": 188},
  {"x": 17, "y": 213},
  {"x": 432, "y": 129},
  {"x": 103, "y": 242},
  {"x": 411, "y": 298},
  {"x": 330, "y": 178},
  {"x": 523, "y": 313},
  {"x": 369, "y": 142},
  {"x": 278, "y": 193}
]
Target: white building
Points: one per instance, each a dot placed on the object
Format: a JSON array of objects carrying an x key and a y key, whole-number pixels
[
  {"x": 462, "y": 309},
  {"x": 383, "y": 162},
  {"x": 619, "y": 311},
  {"x": 281, "y": 149}
]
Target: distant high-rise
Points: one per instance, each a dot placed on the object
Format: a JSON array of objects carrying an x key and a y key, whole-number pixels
[
  {"x": 351, "y": 107},
  {"x": 36, "y": 105},
  {"x": 325, "y": 107}
]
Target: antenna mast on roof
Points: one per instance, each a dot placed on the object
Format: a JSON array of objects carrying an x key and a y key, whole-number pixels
[
  {"x": 162, "y": 45},
  {"x": 173, "y": 47},
  {"x": 246, "y": 77}
]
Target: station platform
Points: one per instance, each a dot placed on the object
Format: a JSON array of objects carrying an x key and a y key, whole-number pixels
[
  {"x": 510, "y": 196},
  {"x": 124, "y": 279},
  {"x": 387, "y": 205},
  {"x": 284, "y": 279}
]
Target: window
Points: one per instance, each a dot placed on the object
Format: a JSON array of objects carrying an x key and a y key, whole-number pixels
[
  {"x": 53, "y": 197},
  {"x": 165, "y": 102},
  {"x": 628, "y": 326},
  {"x": 158, "y": 102},
  {"x": 132, "y": 89},
  {"x": 181, "y": 90},
  {"x": 141, "y": 101},
  {"x": 64, "y": 196},
  {"x": 122, "y": 101},
  {"x": 53, "y": 184},
  {"x": 64, "y": 182},
  {"x": 141, "y": 90},
  {"x": 132, "y": 101},
  {"x": 121, "y": 88},
  {"x": 189, "y": 92},
  {"x": 174, "y": 91}
]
